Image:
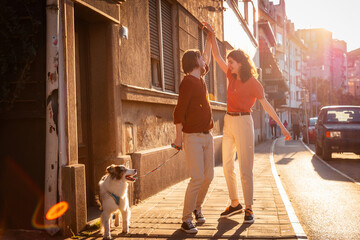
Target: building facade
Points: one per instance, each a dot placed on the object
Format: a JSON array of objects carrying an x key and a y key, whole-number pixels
[
  {"x": 339, "y": 65},
  {"x": 295, "y": 49},
  {"x": 354, "y": 72},
  {"x": 318, "y": 65},
  {"x": 112, "y": 76}
]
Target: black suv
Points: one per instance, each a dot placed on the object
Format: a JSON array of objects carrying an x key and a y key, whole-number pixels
[{"x": 337, "y": 130}]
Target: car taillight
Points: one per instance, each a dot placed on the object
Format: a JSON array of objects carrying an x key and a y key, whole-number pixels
[{"x": 333, "y": 134}]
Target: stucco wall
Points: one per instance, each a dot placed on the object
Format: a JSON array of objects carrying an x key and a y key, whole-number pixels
[
  {"x": 200, "y": 10},
  {"x": 152, "y": 124},
  {"x": 135, "y": 51}
]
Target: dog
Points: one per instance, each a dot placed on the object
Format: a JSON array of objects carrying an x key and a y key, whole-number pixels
[{"x": 114, "y": 197}]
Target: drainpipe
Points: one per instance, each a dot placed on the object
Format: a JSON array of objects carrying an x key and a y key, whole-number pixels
[
  {"x": 63, "y": 160},
  {"x": 52, "y": 87}
]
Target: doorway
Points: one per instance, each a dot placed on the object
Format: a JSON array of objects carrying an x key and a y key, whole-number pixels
[
  {"x": 94, "y": 91},
  {"x": 83, "y": 78}
]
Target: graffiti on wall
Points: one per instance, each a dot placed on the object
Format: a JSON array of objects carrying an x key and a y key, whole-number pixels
[{"x": 52, "y": 98}]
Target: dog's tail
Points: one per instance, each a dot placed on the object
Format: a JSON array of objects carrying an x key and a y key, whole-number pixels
[{"x": 98, "y": 202}]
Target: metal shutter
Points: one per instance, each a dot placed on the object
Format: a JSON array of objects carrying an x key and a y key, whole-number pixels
[
  {"x": 220, "y": 76},
  {"x": 169, "y": 74},
  {"x": 209, "y": 78},
  {"x": 154, "y": 30},
  {"x": 200, "y": 45}
]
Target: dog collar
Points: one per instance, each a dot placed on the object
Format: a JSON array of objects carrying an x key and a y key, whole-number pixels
[{"x": 115, "y": 197}]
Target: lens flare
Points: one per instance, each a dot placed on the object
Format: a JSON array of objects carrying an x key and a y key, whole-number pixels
[{"x": 57, "y": 210}]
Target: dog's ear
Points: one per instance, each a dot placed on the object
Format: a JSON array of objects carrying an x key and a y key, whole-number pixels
[
  {"x": 111, "y": 169},
  {"x": 116, "y": 171}
]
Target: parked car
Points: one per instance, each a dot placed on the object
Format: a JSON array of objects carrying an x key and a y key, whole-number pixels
[
  {"x": 311, "y": 130},
  {"x": 337, "y": 130}
]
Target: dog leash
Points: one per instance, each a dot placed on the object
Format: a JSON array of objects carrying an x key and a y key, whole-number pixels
[{"x": 172, "y": 145}]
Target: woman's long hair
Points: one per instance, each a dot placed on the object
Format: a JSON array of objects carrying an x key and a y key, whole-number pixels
[{"x": 248, "y": 68}]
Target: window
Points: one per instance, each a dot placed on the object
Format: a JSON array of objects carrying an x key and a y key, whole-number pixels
[
  {"x": 162, "y": 44},
  {"x": 247, "y": 11},
  {"x": 343, "y": 115},
  {"x": 314, "y": 46},
  {"x": 279, "y": 38}
]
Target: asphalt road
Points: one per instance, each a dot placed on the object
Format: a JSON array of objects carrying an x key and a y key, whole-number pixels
[
  {"x": 326, "y": 203},
  {"x": 348, "y": 163}
]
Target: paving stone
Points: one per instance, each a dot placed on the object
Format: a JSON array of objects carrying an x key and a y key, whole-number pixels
[{"x": 159, "y": 217}]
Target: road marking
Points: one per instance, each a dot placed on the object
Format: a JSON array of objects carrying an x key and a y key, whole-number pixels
[
  {"x": 300, "y": 234},
  {"x": 331, "y": 167}
]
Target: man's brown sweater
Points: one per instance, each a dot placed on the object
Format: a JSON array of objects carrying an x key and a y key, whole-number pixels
[{"x": 193, "y": 109}]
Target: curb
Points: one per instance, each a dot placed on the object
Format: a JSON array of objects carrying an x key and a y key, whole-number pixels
[
  {"x": 299, "y": 232},
  {"x": 331, "y": 167}
]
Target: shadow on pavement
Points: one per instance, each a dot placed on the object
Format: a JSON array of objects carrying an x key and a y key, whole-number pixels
[
  {"x": 226, "y": 225},
  {"x": 284, "y": 161},
  {"x": 327, "y": 174},
  {"x": 179, "y": 234}
]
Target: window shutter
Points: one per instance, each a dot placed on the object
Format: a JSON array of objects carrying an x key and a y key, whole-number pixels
[
  {"x": 154, "y": 30},
  {"x": 221, "y": 76},
  {"x": 209, "y": 78},
  {"x": 169, "y": 73},
  {"x": 200, "y": 45}
]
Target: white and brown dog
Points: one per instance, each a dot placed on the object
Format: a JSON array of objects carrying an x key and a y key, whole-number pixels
[{"x": 114, "y": 197}]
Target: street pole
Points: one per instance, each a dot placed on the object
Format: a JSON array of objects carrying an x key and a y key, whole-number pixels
[
  {"x": 316, "y": 100},
  {"x": 306, "y": 119},
  {"x": 311, "y": 109},
  {"x": 331, "y": 77}
]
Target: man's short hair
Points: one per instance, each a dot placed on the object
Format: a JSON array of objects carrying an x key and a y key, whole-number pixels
[{"x": 190, "y": 60}]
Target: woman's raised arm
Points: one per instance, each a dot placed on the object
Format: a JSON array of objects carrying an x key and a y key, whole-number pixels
[{"x": 215, "y": 49}]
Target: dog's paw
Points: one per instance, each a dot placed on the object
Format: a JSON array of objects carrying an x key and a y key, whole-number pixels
[{"x": 107, "y": 238}]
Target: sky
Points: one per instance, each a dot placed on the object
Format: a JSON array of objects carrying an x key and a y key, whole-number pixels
[{"x": 341, "y": 17}]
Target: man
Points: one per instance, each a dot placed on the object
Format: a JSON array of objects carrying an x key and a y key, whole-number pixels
[
  {"x": 273, "y": 126},
  {"x": 193, "y": 120},
  {"x": 296, "y": 126}
]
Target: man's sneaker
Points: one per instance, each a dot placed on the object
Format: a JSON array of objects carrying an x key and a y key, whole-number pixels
[
  {"x": 229, "y": 211},
  {"x": 199, "y": 217},
  {"x": 249, "y": 216},
  {"x": 188, "y": 227}
]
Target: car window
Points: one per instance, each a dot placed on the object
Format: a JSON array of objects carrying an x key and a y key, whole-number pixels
[
  {"x": 343, "y": 116},
  {"x": 312, "y": 121}
]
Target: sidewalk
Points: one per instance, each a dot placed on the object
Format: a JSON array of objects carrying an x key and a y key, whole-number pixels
[{"x": 159, "y": 217}]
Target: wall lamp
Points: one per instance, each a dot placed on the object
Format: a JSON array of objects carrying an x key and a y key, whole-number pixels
[{"x": 218, "y": 8}]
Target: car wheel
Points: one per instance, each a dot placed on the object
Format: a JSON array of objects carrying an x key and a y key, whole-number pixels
[
  {"x": 326, "y": 154},
  {"x": 318, "y": 149}
]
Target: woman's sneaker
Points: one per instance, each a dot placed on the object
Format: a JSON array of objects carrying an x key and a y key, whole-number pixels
[
  {"x": 188, "y": 227},
  {"x": 229, "y": 211},
  {"x": 199, "y": 217},
  {"x": 249, "y": 216}
]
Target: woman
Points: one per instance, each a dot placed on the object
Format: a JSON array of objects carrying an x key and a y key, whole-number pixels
[{"x": 243, "y": 90}]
